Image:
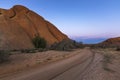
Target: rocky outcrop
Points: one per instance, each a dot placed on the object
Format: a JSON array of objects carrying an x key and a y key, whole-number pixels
[
  {"x": 19, "y": 25},
  {"x": 112, "y": 42}
]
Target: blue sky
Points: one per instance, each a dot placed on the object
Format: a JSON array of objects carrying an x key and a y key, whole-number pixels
[{"x": 79, "y": 19}]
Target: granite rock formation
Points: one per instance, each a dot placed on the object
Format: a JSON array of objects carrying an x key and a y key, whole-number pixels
[{"x": 19, "y": 25}]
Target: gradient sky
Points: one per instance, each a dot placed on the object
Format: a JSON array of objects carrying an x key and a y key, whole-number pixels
[{"x": 79, "y": 19}]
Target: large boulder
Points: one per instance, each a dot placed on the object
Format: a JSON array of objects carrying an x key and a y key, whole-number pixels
[{"x": 19, "y": 25}]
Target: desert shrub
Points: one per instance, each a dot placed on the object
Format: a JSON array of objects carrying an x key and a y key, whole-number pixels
[
  {"x": 118, "y": 49},
  {"x": 41, "y": 49},
  {"x": 107, "y": 60},
  {"x": 28, "y": 51},
  {"x": 39, "y": 42},
  {"x": 102, "y": 46},
  {"x": 3, "y": 56}
]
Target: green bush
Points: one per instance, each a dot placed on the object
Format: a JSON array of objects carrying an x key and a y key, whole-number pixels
[
  {"x": 3, "y": 56},
  {"x": 39, "y": 42}
]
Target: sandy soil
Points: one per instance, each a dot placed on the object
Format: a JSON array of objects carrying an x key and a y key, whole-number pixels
[
  {"x": 108, "y": 66},
  {"x": 104, "y": 65},
  {"x": 85, "y": 64},
  {"x": 20, "y": 61}
]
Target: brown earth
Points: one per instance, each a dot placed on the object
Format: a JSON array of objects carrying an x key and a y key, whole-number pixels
[
  {"x": 19, "y": 25},
  {"x": 86, "y": 64},
  {"x": 20, "y": 61}
]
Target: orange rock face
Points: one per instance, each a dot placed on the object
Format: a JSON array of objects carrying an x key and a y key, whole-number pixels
[
  {"x": 19, "y": 25},
  {"x": 112, "y": 42}
]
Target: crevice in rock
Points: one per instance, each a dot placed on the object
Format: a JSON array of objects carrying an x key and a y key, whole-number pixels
[
  {"x": 27, "y": 11},
  {"x": 14, "y": 14}
]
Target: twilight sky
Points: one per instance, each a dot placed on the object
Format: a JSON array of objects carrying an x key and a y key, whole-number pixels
[{"x": 90, "y": 21}]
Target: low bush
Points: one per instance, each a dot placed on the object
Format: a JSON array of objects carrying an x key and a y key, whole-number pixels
[
  {"x": 3, "y": 56},
  {"x": 118, "y": 49},
  {"x": 107, "y": 60},
  {"x": 39, "y": 42},
  {"x": 28, "y": 51}
]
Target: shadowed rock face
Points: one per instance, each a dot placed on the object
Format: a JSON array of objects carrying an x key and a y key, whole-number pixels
[
  {"x": 112, "y": 42},
  {"x": 19, "y": 25}
]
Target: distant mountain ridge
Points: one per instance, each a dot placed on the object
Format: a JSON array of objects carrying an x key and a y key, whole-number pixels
[
  {"x": 89, "y": 40},
  {"x": 19, "y": 25}
]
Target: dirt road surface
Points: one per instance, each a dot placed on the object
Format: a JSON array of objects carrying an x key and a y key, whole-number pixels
[{"x": 86, "y": 65}]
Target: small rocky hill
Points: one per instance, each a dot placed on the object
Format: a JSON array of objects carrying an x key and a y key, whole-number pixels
[{"x": 112, "y": 42}]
